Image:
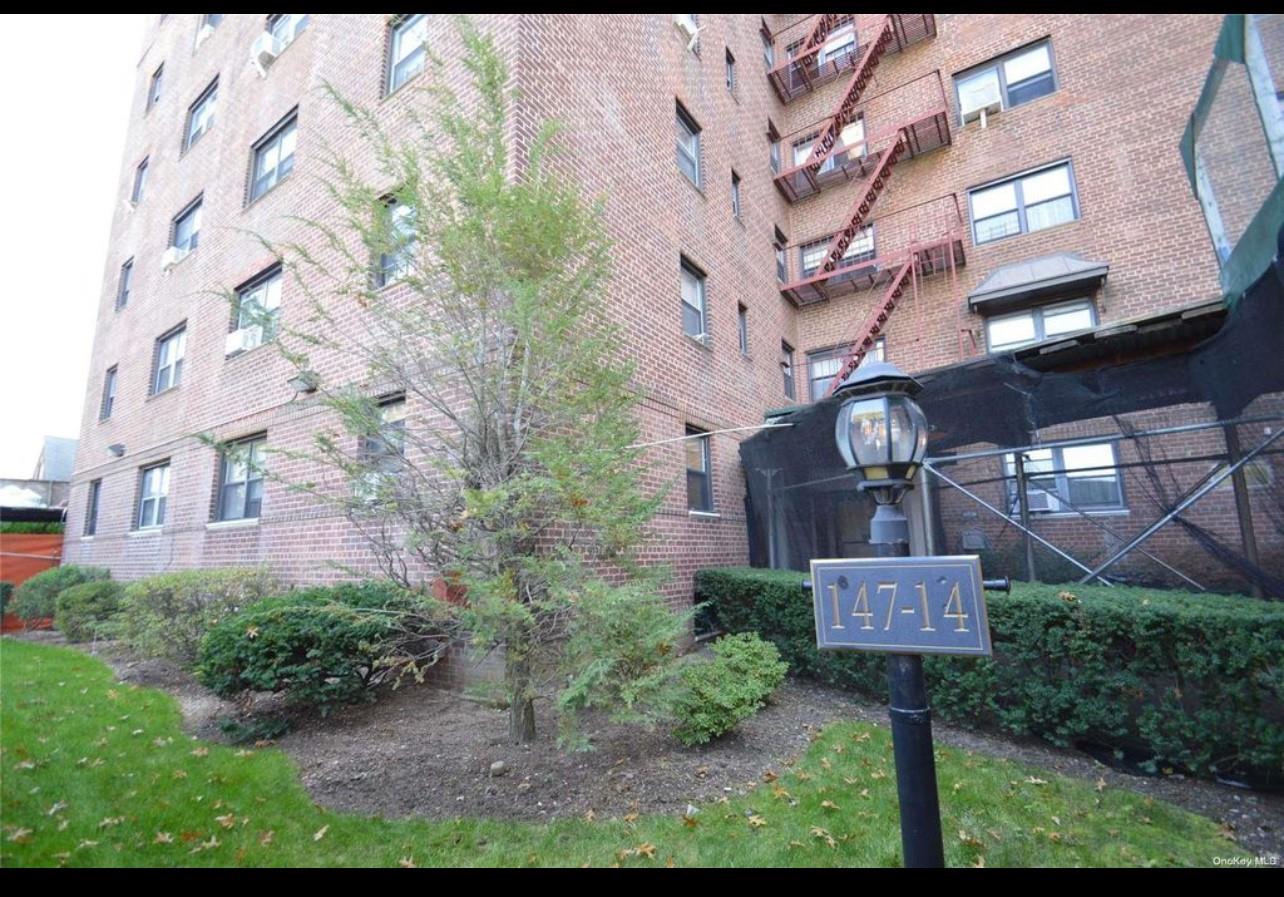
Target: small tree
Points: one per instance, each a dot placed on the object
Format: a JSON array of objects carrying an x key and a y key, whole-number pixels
[{"x": 489, "y": 446}]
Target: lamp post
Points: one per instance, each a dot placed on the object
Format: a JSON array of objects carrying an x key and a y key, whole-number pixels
[{"x": 882, "y": 435}]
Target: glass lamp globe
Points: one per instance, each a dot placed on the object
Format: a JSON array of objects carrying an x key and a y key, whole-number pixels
[{"x": 880, "y": 430}]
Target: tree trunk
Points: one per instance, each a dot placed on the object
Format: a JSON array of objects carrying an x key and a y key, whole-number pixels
[
  {"x": 521, "y": 707},
  {"x": 521, "y": 720}
]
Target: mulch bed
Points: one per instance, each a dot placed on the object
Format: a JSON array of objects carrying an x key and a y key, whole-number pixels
[{"x": 424, "y": 751}]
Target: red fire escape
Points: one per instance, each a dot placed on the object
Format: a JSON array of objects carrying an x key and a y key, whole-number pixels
[{"x": 837, "y": 149}]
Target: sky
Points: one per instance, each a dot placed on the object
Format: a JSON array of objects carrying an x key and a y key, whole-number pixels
[{"x": 65, "y": 130}]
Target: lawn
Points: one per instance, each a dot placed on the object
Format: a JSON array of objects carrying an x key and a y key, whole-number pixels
[{"x": 97, "y": 773}]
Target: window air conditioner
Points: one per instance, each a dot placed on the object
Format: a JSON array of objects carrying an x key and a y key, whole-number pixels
[
  {"x": 204, "y": 32},
  {"x": 980, "y": 101},
  {"x": 243, "y": 340},
  {"x": 687, "y": 24},
  {"x": 263, "y": 52},
  {"x": 171, "y": 257}
]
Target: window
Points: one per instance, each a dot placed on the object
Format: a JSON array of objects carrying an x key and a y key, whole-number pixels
[
  {"x": 382, "y": 450},
  {"x": 812, "y": 255},
  {"x": 285, "y": 28},
  {"x": 731, "y": 72},
  {"x": 258, "y": 304},
  {"x": 693, "y": 305},
  {"x": 1005, "y": 333},
  {"x": 840, "y": 46},
  {"x": 187, "y": 227},
  {"x": 403, "y": 241},
  {"x": 787, "y": 367},
  {"x": 407, "y": 49},
  {"x": 109, "y": 394},
  {"x": 91, "y": 507},
  {"x": 768, "y": 49},
  {"x": 823, "y": 366},
  {"x": 699, "y": 484},
  {"x": 154, "y": 89},
  {"x": 1018, "y": 77},
  {"x": 852, "y": 135},
  {"x": 273, "y": 157},
  {"x": 240, "y": 480},
  {"x": 153, "y": 492},
  {"x": 1028, "y": 202},
  {"x": 688, "y": 146},
  {"x": 170, "y": 350},
  {"x": 140, "y": 181},
  {"x": 782, "y": 260},
  {"x": 122, "y": 287},
  {"x": 1082, "y": 477},
  {"x": 742, "y": 326},
  {"x": 773, "y": 142},
  {"x": 200, "y": 117},
  {"x": 213, "y": 19},
  {"x": 735, "y": 195}
]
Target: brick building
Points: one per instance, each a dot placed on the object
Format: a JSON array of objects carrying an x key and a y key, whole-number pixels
[{"x": 745, "y": 268}]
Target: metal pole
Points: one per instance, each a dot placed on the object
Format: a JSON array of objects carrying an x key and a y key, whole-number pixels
[
  {"x": 1181, "y": 506},
  {"x": 911, "y": 718},
  {"x": 1023, "y": 498},
  {"x": 1244, "y": 510},
  {"x": 771, "y": 518},
  {"x": 929, "y": 521}
]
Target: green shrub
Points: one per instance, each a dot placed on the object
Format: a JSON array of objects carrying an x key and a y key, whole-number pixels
[
  {"x": 720, "y": 693},
  {"x": 23, "y": 527},
  {"x": 83, "y": 608},
  {"x": 320, "y": 646},
  {"x": 37, "y": 598},
  {"x": 1194, "y": 681},
  {"x": 167, "y": 615},
  {"x": 6, "y": 593}
]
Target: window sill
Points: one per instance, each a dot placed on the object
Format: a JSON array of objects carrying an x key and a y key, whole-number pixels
[
  {"x": 698, "y": 188},
  {"x": 148, "y": 531},
  {"x": 241, "y": 353},
  {"x": 708, "y": 347},
  {"x": 216, "y": 525},
  {"x": 164, "y": 392},
  {"x": 268, "y": 192},
  {"x": 86, "y": 538},
  {"x": 706, "y": 515},
  {"x": 389, "y": 94},
  {"x": 1072, "y": 515}
]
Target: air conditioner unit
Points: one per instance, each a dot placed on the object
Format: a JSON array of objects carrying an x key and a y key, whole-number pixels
[
  {"x": 263, "y": 52},
  {"x": 204, "y": 32},
  {"x": 981, "y": 101},
  {"x": 243, "y": 340},
  {"x": 171, "y": 257},
  {"x": 686, "y": 23}
]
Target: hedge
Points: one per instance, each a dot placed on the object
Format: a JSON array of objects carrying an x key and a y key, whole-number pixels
[
  {"x": 1193, "y": 682},
  {"x": 82, "y": 609},
  {"x": 37, "y": 598}
]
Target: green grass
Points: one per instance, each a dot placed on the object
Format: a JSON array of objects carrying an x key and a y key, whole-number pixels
[{"x": 97, "y": 773}]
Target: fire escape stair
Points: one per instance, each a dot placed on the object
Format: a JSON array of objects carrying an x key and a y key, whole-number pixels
[{"x": 872, "y": 327}]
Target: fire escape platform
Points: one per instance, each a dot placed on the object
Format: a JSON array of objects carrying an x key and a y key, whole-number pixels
[
  {"x": 792, "y": 78},
  {"x": 932, "y": 258}
]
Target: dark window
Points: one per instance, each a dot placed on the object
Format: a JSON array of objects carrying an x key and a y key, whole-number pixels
[
  {"x": 213, "y": 19},
  {"x": 694, "y": 318},
  {"x": 1028, "y": 202},
  {"x": 743, "y": 327},
  {"x": 773, "y": 144},
  {"x": 1079, "y": 477},
  {"x": 787, "y": 368},
  {"x": 200, "y": 115},
  {"x": 731, "y": 72},
  {"x": 699, "y": 483},
  {"x": 735, "y": 195},
  {"x": 126, "y": 281},
  {"x": 109, "y": 394},
  {"x": 823, "y": 366},
  {"x": 273, "y": 157},
  {"x": 170, "y": 350},
  {"x": 240, "y": 480},
  {"x": 153, "y": 492},
  {"x": 782, "y": 260},
  {"x": 187, "y": 227},
  {"x": 688, "y": 145},
  {"x": 1014, "y": 79},
  {"x": 140, "y": 181},
  {"x": 407, "y": 49},
  {"x": 154, "y": 89},
  {"x": 861, "y": 249},
  {"x": 402, "y": 241},
  {"x": 91, "y": 507}
]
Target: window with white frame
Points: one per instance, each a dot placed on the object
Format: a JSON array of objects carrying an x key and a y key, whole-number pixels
[
  {"x": 398, "y": 260},
  {"x": 1006, "y": 333},
  {"x": 200, "y": 116},
  {"x": 693, "y": 299},
  {"x": 838, "y": 47},
  {"x": 823, "y": 366},
  {"x": 240, "y": 480},
  {"x": 688, "y": 142},
  {"x": 812, "y": 255},
  {"x": 1028, "y": 202},
  {"x": 170, "y": 350},
  {"x": 273, "y": 158},
  {"x": 258, "y": 304},
  {"x": 407, "y": 49},
  {"x": 699, "y": 464},
  {"x": 382, "y": 449},
  {"x": 851, "y": 140},
  {"x": 1067, "y": 479},
  {"x": 285, "y": 27},
  {"x": 1017, "y": 78},
  {"x": 187, "y": 227},
  {"x": 153, "y": 492}
]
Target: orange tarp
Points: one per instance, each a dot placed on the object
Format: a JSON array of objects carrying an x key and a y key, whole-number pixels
[{"x": 22, "y": 556}]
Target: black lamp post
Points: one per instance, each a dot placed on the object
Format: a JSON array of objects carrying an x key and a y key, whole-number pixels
[{"x": 882, "y": 435}]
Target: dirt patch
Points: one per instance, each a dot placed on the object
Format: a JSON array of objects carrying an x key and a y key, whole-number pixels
[{"x": 423, "y": 751}]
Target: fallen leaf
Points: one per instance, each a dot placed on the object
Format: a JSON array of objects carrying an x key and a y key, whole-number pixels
[
  {"x": 1034, "y": 780},
  {"x": 266, "y": 838},
  {"x": 647, "y": 850},
  {"x": 321, "y": 832},
  {"x": 980, "y": 863},
  {"x": 58, "y": 807},
  {"x": 163, "y": 838},
  {"x": 200, "y": 752},
  {"x": 828, "y": 805},
  {"x": 818, "y": 832},
  {"x": 226, "y": 821},
  {"x": 769, "y": 776},
  {"x": 590, "y": 816},
  {"x": 21, "y": 836},
  {"x": 756, "y": 821},
  {"x": 406, "y": 862},
  {"x": 111, "y": 821}
]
